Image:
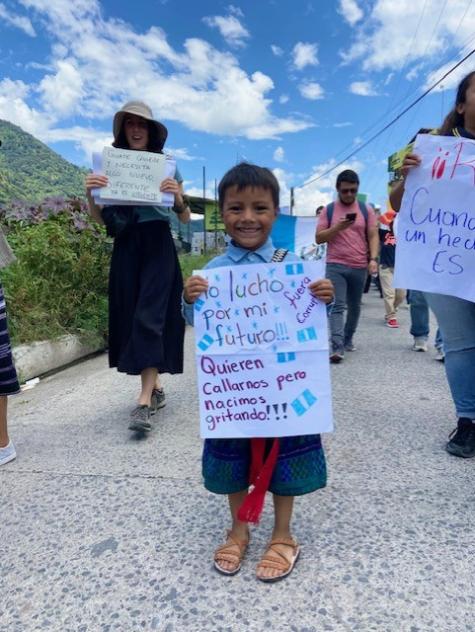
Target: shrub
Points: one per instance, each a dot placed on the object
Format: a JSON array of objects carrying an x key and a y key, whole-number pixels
[
  {"x": 188, "y": 263},
  {"x": 59, "y": 283}
]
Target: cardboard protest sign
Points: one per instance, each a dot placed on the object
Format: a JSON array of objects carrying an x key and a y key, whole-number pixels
[
  {"x": 134, "y": 177},
  {"x": 262, "y": 352},
  {"x": 436, "y": 231}
]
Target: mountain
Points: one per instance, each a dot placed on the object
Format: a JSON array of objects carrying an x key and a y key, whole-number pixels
[{"x": 29, "y": 170}]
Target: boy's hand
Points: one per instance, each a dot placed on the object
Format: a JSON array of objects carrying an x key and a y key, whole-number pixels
[
  {"x": 323, "y": 290},
  {"x": 194, "y": 286}
]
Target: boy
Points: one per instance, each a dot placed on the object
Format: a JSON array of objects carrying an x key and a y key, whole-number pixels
[{"x": 248, "y": 201}]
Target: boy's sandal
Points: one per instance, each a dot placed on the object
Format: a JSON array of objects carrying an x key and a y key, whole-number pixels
[
  {"x": 278, "y": 560},
  {"x": 227, "y": 553}
]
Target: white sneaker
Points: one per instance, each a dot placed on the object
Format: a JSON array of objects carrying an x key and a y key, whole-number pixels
[
  {"x": 420, "y": 344},
  {"x": 439, "y": 355},
  {"x": 7, "y": 454}
]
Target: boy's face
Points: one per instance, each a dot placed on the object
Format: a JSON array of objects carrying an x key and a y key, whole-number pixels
[{"x": 248, "y": 215}]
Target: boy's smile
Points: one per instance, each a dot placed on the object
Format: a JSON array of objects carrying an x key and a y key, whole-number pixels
[{"x": 248, "y": 215}]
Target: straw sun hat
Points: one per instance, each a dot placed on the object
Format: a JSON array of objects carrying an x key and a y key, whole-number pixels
[{"x": 140, "y": 109}]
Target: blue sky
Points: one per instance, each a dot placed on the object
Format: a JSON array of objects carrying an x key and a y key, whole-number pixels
[{"x": 294, "y": 86}]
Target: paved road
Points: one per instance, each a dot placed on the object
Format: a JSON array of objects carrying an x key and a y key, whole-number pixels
[{"x": 102, "y": 532}]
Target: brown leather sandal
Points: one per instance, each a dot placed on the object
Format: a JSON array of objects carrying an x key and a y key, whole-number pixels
[
  {"x": 278, "y": 560},
  {"x": 227, "y": 553}
]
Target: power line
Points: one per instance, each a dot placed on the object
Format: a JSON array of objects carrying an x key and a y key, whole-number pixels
[
  {"x": 426, "y": 50},
  {"x": 381, "y": 131}
]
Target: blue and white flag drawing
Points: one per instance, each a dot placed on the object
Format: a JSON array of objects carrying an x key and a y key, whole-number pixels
[{"x": 297, "y": 234}]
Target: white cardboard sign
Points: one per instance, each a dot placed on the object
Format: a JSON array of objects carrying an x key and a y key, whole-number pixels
[
  {"x": 436, "y": 231},
  {"x": 134, "y": 177},
  {"x": 262, "y": 352}
]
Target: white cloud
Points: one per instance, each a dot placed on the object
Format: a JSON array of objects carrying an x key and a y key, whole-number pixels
[
  {"x": 394, "y": 35},
  {"x": 197, "y": 191},
  {"x": 279, "y": 154},
  {"x": 62, "y": 91},
  {"x": 453, "y": 79},
  {"x": 230, "y": 28},
  {"x": 312, "y": 91},
  {"x": 389, "y": 78},
  {"x": 235, "y": 10},
  {"x": 20, "y": 22},
  {"x": 362, "y": 88},
  {"x": 88, "y": 140},
  {"x": 350, "y": 11},
  {"x": 343, "y": 124},
  {"x": 284, "y": 98},
  {"x": 278, "y": 52},
  {"x": 181, "y": 153},
  {"x": 309, "y": 197},
  {"x": 13, "y": 108},
  {"x": 198, "y": 87},
  {"x": 304, "y": 54},
  {"x": 322, "y": 191}
]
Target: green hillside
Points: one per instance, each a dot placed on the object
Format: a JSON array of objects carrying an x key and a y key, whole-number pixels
[{"x": 29, "y": 170}]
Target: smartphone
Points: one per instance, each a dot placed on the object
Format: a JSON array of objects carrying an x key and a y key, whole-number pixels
[{"x": 351, "y": 216}]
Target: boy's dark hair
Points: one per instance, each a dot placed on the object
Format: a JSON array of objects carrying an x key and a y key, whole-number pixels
[
  {"x": 454, "y": 118},
  {"x": 246, "y": 175},
  {"x": 347, "y": 176},
  {"x": 155, "y": 143}
]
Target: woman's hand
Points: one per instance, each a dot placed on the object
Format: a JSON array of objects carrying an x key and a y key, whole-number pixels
[
  {"x": 410, "y": 162},
  {"x": 194, "y": 287},
  {"x": 323, "y": 290},
  {"x": 170, "y": 185},
  {"x": 95, "y": 181}
]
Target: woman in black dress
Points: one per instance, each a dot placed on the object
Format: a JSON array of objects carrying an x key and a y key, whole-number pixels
[{"x": 146, "y": 328}]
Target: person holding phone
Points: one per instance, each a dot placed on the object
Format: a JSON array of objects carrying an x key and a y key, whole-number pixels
[{"x": 350, "y": 229}]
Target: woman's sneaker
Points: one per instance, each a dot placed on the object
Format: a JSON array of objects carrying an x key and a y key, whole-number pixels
[
  {"x": 140, "y": 419},
  {"x": 462, "y": 439},
  {"x": 157, "y": 401},
  {"x": 7, "y": 454}
]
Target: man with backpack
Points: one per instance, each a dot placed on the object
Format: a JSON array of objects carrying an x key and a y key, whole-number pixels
[{"x": 350, "y": 229}]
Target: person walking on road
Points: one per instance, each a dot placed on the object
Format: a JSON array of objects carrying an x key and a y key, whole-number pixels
[
  {"x": 392, "y": 297},
  {"x": 350, "y": 229},
  {"x": 146, "y": 327},
  {"x": 456, "y": 316},
  {"x": 9, "y": 384},
  {"x": 419, "y": 312}
]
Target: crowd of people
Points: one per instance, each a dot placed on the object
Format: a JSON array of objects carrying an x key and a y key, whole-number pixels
[{"x": 148, "y": 306}]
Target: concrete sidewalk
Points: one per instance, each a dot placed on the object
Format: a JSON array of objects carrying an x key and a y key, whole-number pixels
[{"x": 103, "y": 532}]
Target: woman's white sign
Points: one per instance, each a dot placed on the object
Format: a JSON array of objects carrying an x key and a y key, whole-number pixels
[
  {"x": 134, "y": 177},
  {"x": 436, "y": 231}
]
